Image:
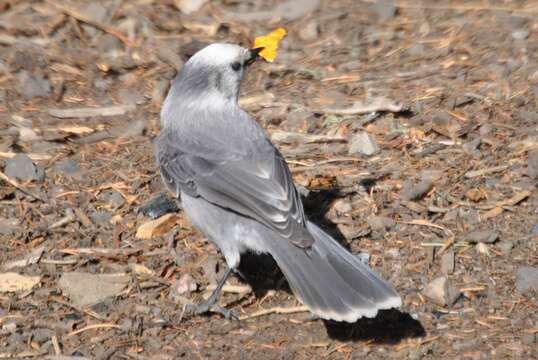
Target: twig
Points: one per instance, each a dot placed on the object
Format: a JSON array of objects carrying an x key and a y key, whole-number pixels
[
  {"x": 94, "y": 326},
  {"x": 276, "y": 310},
  {"x": 366, "y": 107},
  {"x": 470, "y": 7},
  {"x": 80, "y": 17},
  {"x": 234, "y": 289},
  {"x": 91, "y": 111},
  {"x": 16, "y": 185},
  {"x": 290, "y": 137},
  {"x": 477, "y": 173}
]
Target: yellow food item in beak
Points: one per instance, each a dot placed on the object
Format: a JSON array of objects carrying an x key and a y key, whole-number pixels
[{"x": 269, "y": 43}]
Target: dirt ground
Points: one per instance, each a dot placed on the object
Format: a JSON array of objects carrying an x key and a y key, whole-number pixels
[{"x": 440, "y": 183}]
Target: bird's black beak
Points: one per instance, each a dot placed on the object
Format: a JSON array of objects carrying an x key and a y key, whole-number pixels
[{"x": 253, "y": 55}]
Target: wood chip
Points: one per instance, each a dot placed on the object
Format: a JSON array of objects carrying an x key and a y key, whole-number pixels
[
  {"x": 13, "y": 282},
  {"x": 367, "y": 106},
  {"x": 157, "y": 227}
]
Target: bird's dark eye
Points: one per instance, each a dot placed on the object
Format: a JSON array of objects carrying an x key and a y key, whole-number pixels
[{"x": 236, "y": 66}]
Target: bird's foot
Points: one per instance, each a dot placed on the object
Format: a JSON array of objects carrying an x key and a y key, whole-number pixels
[{"x": 208, "y": 306}]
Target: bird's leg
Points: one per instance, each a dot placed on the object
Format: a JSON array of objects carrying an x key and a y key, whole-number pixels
[{"x": 211, "y": 303}]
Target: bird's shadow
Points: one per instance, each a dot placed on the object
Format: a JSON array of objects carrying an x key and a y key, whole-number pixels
[{"x": 261, "y": 272}]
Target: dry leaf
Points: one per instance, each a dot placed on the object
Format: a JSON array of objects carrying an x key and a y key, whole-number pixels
[
  {"x": 141, "y": 269},
  {"x": 269, "y": 43},
  {"x": 13, "y": 282},
  {"x": 476, "y": 195}
]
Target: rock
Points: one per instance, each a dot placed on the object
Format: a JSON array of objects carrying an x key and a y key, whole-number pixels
[
  {"x": 101, "y": 217},
  {"x": 527, "y": 279},
  {"x": 288, "y": 10},
  {"x": 310, "y": 31},
  {"x": 481, "y": 236},
  {"x": 70, "y": 168},
  {"x": 157, "y": 227},
  {"x": 342, "y": 206},
  {"x": 441, "y": 291},
  {"x": 8, "y": 226},
  {"x": 84, "y": 289},
  {"x": 384, "y": 9},
  {"x": 486, "y": 129},
  {"x": 411, "y": 191},
  {"x": 532, "y": 165},
  {"x": 189, "y": 6},
  {"x": 520, "y": 34},
  {"x": 534, "y": 230},
  {"x": 113, "y": 198},
  {"x": 380, "y": 223},
  {"x": 21, "y": 167},
  {"x": 159, "y": 206},
  {"x": 185, "y": 285},
  {"x": 96, "y": 12},
  {"x": 506, "y": 247},
  {"x": 13, "y": 282},
  {"x": 32, "y": 85},
  {"x": 528, "y": 338},
  {"x": 363, "y": 143},
  {"x": 448, "y": 262}
]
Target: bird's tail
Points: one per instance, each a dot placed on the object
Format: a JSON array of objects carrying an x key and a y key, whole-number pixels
[{"x": 333, "y": 283}]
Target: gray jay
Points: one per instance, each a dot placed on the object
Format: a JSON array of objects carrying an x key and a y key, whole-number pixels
[{"x": 236, "y": 188}]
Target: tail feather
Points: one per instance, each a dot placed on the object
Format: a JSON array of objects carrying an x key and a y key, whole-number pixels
[{"x": 331, "y": 281}]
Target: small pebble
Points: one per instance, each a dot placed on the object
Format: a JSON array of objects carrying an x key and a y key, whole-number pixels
[{"x": 527, "y": 279}]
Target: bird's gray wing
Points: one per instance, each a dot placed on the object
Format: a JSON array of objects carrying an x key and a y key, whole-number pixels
[{"x": 255, "y": 183}]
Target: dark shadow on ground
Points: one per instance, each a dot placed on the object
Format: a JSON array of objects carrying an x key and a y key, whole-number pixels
[{"x": 388, "y": 327}]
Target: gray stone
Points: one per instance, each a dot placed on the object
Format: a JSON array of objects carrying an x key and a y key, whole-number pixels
[
  {"x": 113, "y": 198},
  {"x": 448, "y": 262},
  {"x": 86, "y": 289},
  {"x": 8, "y": 226},
  {"x": 527, "y": 279},
  {"x": 363, "y": 143},
  {"x": 441, "y": 291},
  {"x": 68, "y": 167},
  {"x": 411, "y": 191},
  {"x": 506, "y": 247},
  {"x": 310, "y": 31},
  {"x": 380, "y": 223},
  {"x": 32, "y": 85},
  {"x": 532, "y": 165},
  {"x": 520, "y": 34},
  {"x": 535, "y": 230},
  {"x": 100, "y": 217},
  {"x": 21, "y": 167},
  {"x": 481, "y": 236},
  {"x": 528, "y": 338},
  {"x": 384, "y": 9}
]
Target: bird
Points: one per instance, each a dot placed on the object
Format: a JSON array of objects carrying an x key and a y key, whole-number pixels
[{"x": 236, "y": 188}]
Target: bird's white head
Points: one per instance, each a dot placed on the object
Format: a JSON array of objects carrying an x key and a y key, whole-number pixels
[{"x": 216, "y": 70}]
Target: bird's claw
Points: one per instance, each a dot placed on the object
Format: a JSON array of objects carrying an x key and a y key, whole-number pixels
[{"x": 206, "y": 307}]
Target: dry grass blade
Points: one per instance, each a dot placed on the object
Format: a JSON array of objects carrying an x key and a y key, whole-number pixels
[
  {"x": 94, "y": 326},
  {"x": 276, "y": 310}
]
